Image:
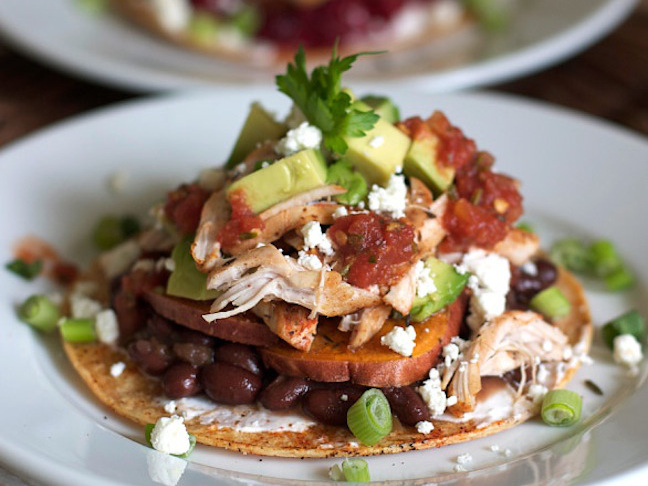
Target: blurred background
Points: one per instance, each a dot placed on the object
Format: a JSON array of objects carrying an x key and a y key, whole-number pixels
[{"x": 608, "y": 79}]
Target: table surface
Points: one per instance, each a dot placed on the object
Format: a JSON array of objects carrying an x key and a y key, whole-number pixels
[{"x": 609, "y": 80}]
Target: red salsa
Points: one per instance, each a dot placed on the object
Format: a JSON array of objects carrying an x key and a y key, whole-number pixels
[
  {"x": 184, "y": 205},
  {"x": 373, "y": 248},
  {"x": 244, "y": 223}
]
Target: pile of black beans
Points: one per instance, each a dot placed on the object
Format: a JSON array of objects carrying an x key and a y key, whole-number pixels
[{"x": 189, "y": 363}]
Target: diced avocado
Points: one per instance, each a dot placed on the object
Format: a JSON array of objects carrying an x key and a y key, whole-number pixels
[
  {"x": 448, "y": 282},
  {"x": 422, "y": 162},
  {"x": 342, "y": 174},
  {"x": 379, "y": 152},
  {"x": 285, "y": 178},
  {"x": 186, "y": 280},
  {"x": 384, "y": 107},
  {"x": 259, "y": 127}
]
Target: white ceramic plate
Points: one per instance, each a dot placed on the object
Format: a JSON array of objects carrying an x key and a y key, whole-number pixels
[
  {"x": 581, "y": 177},
  {"x": 110, "y": 51}
]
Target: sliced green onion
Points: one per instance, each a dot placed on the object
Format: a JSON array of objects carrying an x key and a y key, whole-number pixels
[
  {"x": 524, "y": 226},
  {"x": 551, "y": 302},
  {"x": 78, "y": 330},
  {"x": 370, "y": 418},
  {"x": 628, "y": 323},
  {"x": 40, "y": 312},
  {"x": 203, "y": 27},
  {"x": 110, "y": 231},
  {"x": 356, "y": 470},
  {"x": 561, "y": 408},
  {"x": 148, "y": 430},
  {"x": 26, "y": 270},
  {"x": 604, "y": 257},
  {"x": 620, "y": 279},
  {"x": 572, "y": 254},
  {"x": 493, "y": 15}
]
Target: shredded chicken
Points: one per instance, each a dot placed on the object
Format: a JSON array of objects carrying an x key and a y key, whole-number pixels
[
  {"x": 518, "y": 246},
  {"x": 206, "y": 247},
  {"x": 370, "y": 322},
  {"x": 401, "y": 295},
  {"x": 515, "y": 339},
  {"x": 265, "y": 274},
  {"x": 290, "y": 322}
]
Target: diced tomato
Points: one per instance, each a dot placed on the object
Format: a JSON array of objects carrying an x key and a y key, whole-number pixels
[
  {"x": 243, "y": 224},
  {"x": 184, "y": 205},
  {"x": 497, "y": 193},
  {"x": 373, "y": 248},
  {"x": 469, "y": 225}
]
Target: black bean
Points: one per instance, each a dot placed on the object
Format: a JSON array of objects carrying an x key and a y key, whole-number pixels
[
  {"x": 407, "y": 405},
  {"x": 185, "y": 335},
  {"x": 151, "y": 355},
  {"x": 228, "y": 384},
  {"x": 181, "y": 380},
  {"x": 195, "y": 354},
  {"x": 328, "y": 406},
  {"x": 284, "y": 392},
  {"x": 162, "y": 329},
  {"x": 525, "y": 285},
  {"x": 244, "y": 357}
]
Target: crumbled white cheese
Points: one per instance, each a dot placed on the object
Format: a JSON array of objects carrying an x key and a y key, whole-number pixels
[
  {"x": 170, "y": 406},
  {"x": 377, "y": 141},
  {"x": 451, "y": 400},
  {"x": 424, "y": 281},
  {"x": 432, "y": 394},
  {"x": 492, "y": 270},
  {"x": 459, "y": 468},
  {"x": 117, "y": 369},
  {"x": 530, "y": 268},
  {"x": 424, "y": 427},
  {"x": 309, "y": 261},
  {"x": 106, "y": 326},
  {"x": 116, "y": 261},
  {"x": 391, "y": 199},
  {"x": 165, "y": 469},
  {"x": 537, "y": 393},
  {"x": 303, "y": 137},
  {"x": 212, "y": 179},
  {"x": 542, "y": 374},
  {"x": 489, "y": 282},
  {"x": 450, "y": 354},
  {"x": 167, "y": 264},
  {"x": 144, "y": 265},
  {"x": 627, "y": 351},
  {"x": 170, "y": 435},
  {"x": 340, "y": 212},
  {"x": 344, "y": 397},
  {"x": 463, "y": 459},
  {"x": 174, "y": 15},
  {"x": 361, "y": 205},
  {"x": 82, "y": 307},
  {"x": 315, "y": 238},
  {"x": 462, "y": 343},
  {"x": 401, "y": 340}
]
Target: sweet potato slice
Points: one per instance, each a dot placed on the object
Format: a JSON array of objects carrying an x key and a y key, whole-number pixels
[
  {"x": 373, "y": 364},
  {"x": 241, "y": 328}
]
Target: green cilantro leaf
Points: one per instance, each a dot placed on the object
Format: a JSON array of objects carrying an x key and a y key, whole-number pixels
[{"x": 322, "y": 101}]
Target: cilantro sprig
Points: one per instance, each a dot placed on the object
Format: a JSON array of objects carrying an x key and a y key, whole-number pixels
[{"x": 322, "y": 101}]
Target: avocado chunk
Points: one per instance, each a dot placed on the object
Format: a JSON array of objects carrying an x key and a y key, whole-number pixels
[
  {"x": 259, "y": 127},
  {"x": 285, "y": 178},
  {"x": 383, "y": 107},
  {"x": 379, "y": 152},
  {"x": 422, "y": 162},
  {"x": 186, "y": 280},
  {"x": 448, "y": 282}
]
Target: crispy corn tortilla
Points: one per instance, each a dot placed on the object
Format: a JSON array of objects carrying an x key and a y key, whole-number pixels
[
  {"x": 142, "y": 14},
  {"x": 137, "y": 397}
]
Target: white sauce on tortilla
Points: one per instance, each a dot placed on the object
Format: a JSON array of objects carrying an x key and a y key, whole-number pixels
[{"x": 242, "y": 418}]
